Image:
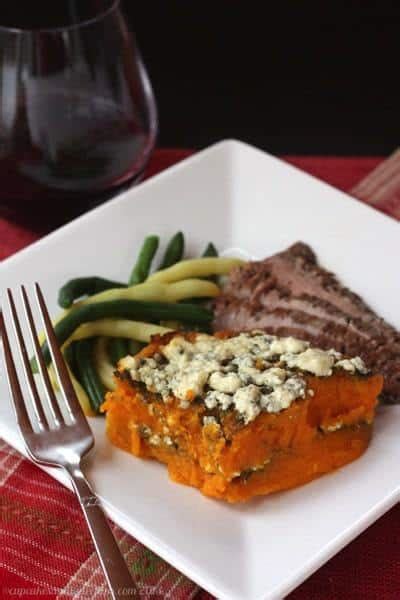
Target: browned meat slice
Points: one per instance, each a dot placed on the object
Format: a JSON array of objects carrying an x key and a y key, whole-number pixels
[{"x": 291, "y": 294}]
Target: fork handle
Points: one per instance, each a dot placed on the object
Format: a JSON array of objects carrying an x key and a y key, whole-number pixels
[{"x": 114, "y": 566}]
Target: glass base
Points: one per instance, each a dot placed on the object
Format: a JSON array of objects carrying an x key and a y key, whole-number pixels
[{"x": 47, "y": 216}]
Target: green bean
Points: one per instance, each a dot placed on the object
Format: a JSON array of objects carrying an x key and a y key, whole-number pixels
[
  {"x": 142, "y": 267},
  {"x": 70, "y": 357},
  {"x": 127, "y": 309},
  {"x": 117, "y": 349},
  {"x": 210, "y": 250},
  {"x": 101, "y": 361},
  {"x": 118, "y": 328},
  {"x": 196, "y": 268},
  {"x": 174, "y": 251},
  {"x": 88, "y": 374},
  {"x": 157, "y": 292},
  {"x": 134, "y": 347},
  {"x": 84, "y": 286}
]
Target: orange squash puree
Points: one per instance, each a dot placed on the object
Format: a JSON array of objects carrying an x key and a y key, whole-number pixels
[{"x": 235, "y": 462}]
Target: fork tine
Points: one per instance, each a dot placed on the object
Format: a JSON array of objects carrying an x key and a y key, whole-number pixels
[
  {"x": 36, "y": 402},
  {"x": 13, "y": 383},
  {"x": 67, "y": 388},
  {"x": 53, "y": 404}
]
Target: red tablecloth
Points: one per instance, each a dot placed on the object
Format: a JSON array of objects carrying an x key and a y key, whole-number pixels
[{"x": 45, "y": 550}]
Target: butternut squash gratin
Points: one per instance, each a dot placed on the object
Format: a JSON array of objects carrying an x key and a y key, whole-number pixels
[{"x": 242, "y": 415}]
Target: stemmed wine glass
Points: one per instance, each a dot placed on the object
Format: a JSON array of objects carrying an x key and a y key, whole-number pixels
[{"x": 78, "y": 118}]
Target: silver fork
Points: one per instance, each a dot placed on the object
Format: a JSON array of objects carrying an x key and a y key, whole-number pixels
[{"x": 59, "y": 442}]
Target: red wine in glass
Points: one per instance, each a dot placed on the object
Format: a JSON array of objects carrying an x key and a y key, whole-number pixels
[{"x": 77, "y": 113}]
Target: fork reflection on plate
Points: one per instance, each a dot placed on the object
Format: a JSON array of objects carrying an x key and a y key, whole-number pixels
[{"x": 57, "y": 434}]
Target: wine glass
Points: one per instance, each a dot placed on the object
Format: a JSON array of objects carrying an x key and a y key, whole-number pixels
[{"x": 78, "y": 118}]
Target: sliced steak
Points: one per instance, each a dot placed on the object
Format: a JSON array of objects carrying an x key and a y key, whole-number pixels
[{"x": 291, "y": 294}]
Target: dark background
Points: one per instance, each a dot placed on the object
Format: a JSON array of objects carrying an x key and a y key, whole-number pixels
[{"x": 307, "y": 78}]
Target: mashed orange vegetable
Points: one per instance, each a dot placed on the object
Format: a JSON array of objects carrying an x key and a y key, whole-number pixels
[{"x": 227, "y": 459}]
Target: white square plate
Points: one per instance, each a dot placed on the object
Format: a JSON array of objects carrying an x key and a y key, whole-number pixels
[{"x": 241, "y": 198}]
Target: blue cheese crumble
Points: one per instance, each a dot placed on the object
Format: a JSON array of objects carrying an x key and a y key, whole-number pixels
[{"x": 250, "y": 372}]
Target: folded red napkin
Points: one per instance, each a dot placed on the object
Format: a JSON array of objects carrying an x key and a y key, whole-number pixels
[
  {"x": 381, "y": 188},
  {"x": 45, "y": 549}
]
